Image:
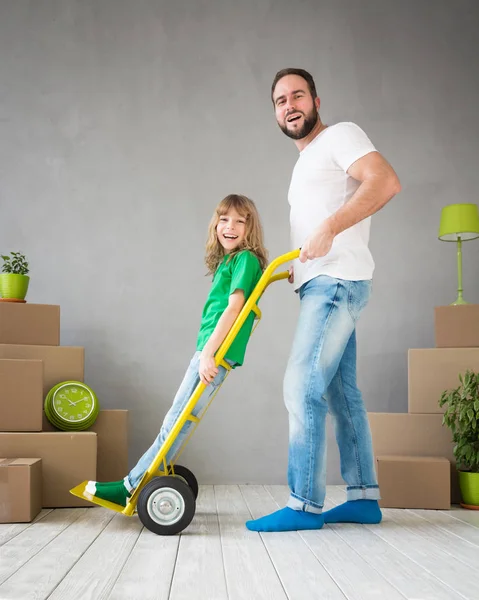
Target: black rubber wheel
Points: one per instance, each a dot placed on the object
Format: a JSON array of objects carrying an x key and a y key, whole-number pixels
[
  {"x": 187, "y": 476},
  {"x": 166, "y": 505}
]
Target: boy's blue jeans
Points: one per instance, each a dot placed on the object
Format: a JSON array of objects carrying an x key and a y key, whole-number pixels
[
  {"x": 186, "y": 389},
  {"x": 321, "y": 375}
]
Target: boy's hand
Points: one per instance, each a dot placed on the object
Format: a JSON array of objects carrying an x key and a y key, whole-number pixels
[
  {"x": 207, "y": 369},
  {"x": 291, "y": 274}
]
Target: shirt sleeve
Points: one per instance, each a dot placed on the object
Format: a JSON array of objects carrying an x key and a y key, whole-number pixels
[
  {"x": 246, "y": 273},
  {"x": 350, "y": 143}
]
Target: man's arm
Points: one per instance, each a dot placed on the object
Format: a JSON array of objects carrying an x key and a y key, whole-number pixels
[{"x": 379, "y": 183}]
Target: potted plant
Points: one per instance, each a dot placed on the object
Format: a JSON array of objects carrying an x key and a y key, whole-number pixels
[
  {"x": 14, "y": 279},
  {"x": 462, "y": 417}
]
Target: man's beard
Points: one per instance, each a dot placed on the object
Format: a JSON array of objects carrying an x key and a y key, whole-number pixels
[{"x": 308, "y": 125}]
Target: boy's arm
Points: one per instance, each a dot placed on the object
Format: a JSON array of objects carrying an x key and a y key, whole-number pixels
[{"x": 208, "y": 369}]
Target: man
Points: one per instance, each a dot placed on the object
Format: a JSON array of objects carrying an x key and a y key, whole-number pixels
[{"x": 338, "y": 182}]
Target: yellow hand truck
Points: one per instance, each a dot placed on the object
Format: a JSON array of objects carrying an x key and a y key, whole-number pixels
[{"x": 165, "y": 498}]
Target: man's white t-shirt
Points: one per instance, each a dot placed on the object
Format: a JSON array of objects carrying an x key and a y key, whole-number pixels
[{"x": 320, "y": 185}]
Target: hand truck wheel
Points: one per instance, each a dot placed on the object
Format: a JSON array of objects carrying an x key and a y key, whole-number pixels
[
  {"x": 187, "y": 476},
  {"x": 166, "y": 505}
]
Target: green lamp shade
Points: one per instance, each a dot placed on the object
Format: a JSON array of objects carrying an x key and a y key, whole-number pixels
[{"x": 459, "y": 221}]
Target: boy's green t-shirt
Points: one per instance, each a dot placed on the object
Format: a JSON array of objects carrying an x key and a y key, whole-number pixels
[{"x": 242, "y": 272}]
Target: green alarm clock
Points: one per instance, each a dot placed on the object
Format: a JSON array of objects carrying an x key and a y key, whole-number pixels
[{"x": 71, "y": 406}]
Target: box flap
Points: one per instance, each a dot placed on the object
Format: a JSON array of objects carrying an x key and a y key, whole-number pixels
[
  {"x": 7, "y": 462},
  {"x": 405, "y": 458}
]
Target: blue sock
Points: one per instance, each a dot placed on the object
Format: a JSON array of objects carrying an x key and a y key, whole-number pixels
[
  {"x": 354, "y": 511},
  {"x": 287, "y": 519}
]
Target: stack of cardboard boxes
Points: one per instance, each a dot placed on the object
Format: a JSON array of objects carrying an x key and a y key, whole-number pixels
[
  {"x": 39, "y": 464},
  {"x": 414, "y": 451}
]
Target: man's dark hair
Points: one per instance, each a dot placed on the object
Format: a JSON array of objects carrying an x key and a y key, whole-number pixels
[{"x": 302, "y": 73}]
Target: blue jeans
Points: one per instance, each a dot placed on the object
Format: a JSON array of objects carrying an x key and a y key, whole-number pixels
[
  {"x": 186, "y": 389},
  {"x": 321, "y": 375}
]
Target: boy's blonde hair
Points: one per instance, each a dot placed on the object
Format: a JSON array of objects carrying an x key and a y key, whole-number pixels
[{"x": 253, "y": 240}]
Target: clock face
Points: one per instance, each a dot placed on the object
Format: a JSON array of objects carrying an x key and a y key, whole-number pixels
[{"x": 73, "y": 402}]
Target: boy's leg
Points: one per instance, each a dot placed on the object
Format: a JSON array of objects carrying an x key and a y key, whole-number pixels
[
  {"x": 119, "y": 492},
  {"x": 353, "y": 436},
  {"x": 324, "y": 328}
]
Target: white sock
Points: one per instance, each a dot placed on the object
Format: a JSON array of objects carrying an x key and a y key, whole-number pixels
[{"x": 91, "y": 487}]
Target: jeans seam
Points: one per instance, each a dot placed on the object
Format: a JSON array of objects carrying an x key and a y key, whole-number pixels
[
  {"x": 355, "y": 437},
  {"x": 308, "y": 394},
  {"x": 350, "y": 293},
  {"x": 363, "y": 487},
  {"x": 305, "y": 501}
]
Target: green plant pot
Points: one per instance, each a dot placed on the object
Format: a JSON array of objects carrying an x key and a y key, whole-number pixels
[
  {"x": 14, "y": 286},
  {"x": 469, "y": 484}
]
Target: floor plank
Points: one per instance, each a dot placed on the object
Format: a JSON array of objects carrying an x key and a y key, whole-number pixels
[
  {"x": 405, "y": 574},
  {"x": 147, "y": 573},
  {"x": 471, "y": 517},
  {"x": 432, "y": 558},
  {"x": 93, "y": 554},
  {"x": 448, "y": 521},
  {"x": 248, "y": 567},
  {"x": 351, "y": 572},
  {"x": 41, "y": 574},
  {"x": 199, "y": 571},
  {"x": 459, "y": 549},
  {"x": 94, "y": 575},
  {"x": 20, "y": 549},
  {"x": 11, "y": 530},
  {"x": 302, "y": 574}
]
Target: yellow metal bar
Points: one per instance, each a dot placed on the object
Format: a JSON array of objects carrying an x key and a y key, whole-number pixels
[
  {"x": 257, "y": 311},
  {"x": 253, "y": 299},
  {"x": 160, "y": 460},
  {"x": 266, "y": 279},
  {"x": 200, "y": 418},
  {"x": 226, "y": 365},
  {"x": 277, "y": 277}
]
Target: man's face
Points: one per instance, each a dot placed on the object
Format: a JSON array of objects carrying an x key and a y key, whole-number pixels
[{"x": 296, "y": 111}]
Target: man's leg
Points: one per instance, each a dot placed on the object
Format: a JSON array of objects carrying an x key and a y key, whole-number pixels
[
  {"x": 324, "y": 328},
  {"x": 353, "y": 436}
]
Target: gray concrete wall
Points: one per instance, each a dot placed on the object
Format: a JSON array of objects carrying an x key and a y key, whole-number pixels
[{"x": 122, "y": 124}]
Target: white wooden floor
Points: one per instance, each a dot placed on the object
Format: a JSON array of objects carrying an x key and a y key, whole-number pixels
[{"x": 91, "y": 553}]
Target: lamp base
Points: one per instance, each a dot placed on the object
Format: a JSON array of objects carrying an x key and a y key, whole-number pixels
[{"x": 459, "y": 302}]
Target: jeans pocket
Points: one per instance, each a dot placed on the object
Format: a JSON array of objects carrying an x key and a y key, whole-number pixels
[{"x": 358, "y": 297}]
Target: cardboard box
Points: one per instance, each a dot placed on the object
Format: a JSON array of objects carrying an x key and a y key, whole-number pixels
[
  {"x": 111, "y": 428},
  {"x": 433, "y": 370},
  {"x": 20, "y": 489},
  {"x": 457, "y": 326},
  {"x": 67, "y": 460},
  {"x": 414, "y": 482},
  {"x": 21, "y": 395},
  {"x": 60, "y": 363},
  {"x": 29, "y": 323},
  {"x": 406, "y": 434}
]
